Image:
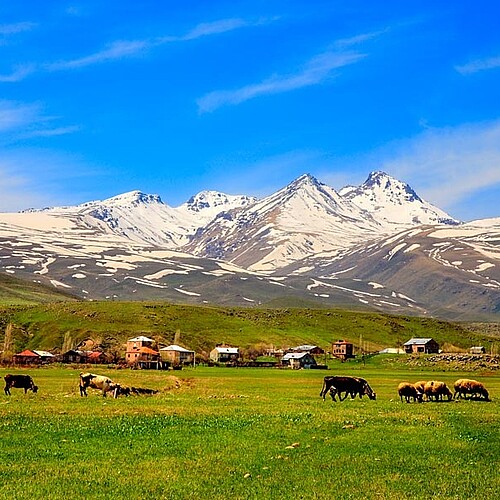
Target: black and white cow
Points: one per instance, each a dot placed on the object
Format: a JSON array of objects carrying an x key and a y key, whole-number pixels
[{"x": 105, "y": 384}]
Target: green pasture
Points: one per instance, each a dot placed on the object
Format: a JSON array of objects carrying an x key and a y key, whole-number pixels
[{"x": 246, "y": 433}]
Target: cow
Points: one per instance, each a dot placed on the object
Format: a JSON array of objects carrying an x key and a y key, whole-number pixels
[
  {"x": 352, "y": 386},
  {"x": 105, "y": 384},
  {"x": 21, "y": 382}
]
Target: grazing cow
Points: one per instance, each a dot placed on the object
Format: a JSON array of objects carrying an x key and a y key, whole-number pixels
[
  {"x": 409, "y": 391},
  {"x": 21, "y": 382},
  {"x": 349, "y": 385},
  {"x": 436, "y": 389},
  {"x": 473, "y": 388},
  {"x": 98, "y": 382}
]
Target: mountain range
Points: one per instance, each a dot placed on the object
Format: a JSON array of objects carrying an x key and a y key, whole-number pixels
[{"x": 377, "y": 245}]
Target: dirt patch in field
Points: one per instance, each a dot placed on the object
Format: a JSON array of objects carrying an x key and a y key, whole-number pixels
[{"x": 173, "y": 382}]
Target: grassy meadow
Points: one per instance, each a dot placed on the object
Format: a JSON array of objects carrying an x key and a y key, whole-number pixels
[{"x": 247, "y": 433}]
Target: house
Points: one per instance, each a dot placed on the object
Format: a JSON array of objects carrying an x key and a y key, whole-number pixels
[
  {"x": 134, "y": 346},
  {"x": 32, "y": 357},
  {"x": 477, "y": 350},
  {"x": 177, "y": 355},
  {"x": 224, "y": 354},
  {"x": 421, "y": 346},
  {"x": 74, "y": 356},
  {"x": 342, "y": 349},
  {"x": 296, "y": 360},
  {"x": 45, "y": 356},
  {"x": 26, "y": 357},
  {"x": 77, "y": 356},
  {"x": 311, "y": 349}
]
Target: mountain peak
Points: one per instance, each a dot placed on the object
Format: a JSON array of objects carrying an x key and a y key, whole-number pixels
[
  {"x": 394, "y": 202},
  {"x": 133, "y": 198}
]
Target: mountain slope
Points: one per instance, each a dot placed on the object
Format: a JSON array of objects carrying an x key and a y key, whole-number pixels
[
  {"x": 304, "y": 218},
  {"x": 452, "y": 272}
]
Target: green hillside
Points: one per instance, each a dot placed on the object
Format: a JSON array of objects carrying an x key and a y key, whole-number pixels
[
  {"x": 49, "y": 326},
  {"x": 14, "y": 291}
]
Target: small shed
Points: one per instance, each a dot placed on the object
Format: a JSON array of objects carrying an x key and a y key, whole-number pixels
[
  {"x": 177, "y": 355},
  {"x": 342, "y": 349},
  {"x": 224, "y": 354},
  {"x": 296, "y": 360},
  {"x": 421, "y": 346},
  {"x": 477, "y": 350}
]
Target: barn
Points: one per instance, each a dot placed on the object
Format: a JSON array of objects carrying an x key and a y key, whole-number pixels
[
  {"x": 421, "y": 346},
  {"x": 296, "y": 360}
]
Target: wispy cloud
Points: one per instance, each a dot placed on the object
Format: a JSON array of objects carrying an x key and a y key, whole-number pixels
[
  {"x": 23, "y": 121},
  {"x": 116, "y": 50},
  {"x": 314, "y": 72},
  {"x": 122, "y": 49},
  {"x": 20, "y": 73},
  {"x": 15, "y": 115},
  {"x": 12, "y": 29},
  {"x": 479, "y": 65}
]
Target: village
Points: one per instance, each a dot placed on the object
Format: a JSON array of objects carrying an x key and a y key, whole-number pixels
[{"x": 142, "y": 352}]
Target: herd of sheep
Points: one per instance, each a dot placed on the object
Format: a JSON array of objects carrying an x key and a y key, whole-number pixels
[{"x": 437, "y": 390}]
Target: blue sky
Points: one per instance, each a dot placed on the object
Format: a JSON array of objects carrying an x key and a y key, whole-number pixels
[{"x": 99, "y": 98}]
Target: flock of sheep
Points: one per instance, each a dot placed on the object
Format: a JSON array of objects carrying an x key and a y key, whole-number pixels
[{"x": 437, "y": 390}]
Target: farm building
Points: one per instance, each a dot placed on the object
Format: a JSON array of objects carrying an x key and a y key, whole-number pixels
[
  {"x": 224, "y": 354},
  {"x": 477, "y": 350},
  {"x": 296, "y": 360},
  {"x": 392, "y": 350},
  {"x": 342, "y": 349},
  {"x": 421, "y": 346},
  {"x": 32, "y": 357},
  {"x": 26, "y": 357},
  {"x": 177, "y": 355},
  {"x": 76, "y": 356},
  {"x": 311, "y": 349}
]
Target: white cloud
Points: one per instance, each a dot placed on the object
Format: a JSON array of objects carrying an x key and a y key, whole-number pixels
[
  {"x": 12, "y": 29},
  {"x": 447, "y": 165},
  {"x": 479, "y": 65},
  {"x": 20, "y": 72},
  {"x": 14, "y": 115},
  {"x": 122, "y": 49},
  {"x": 314, "y": 72},
  {"x": 114, "y": 51}
]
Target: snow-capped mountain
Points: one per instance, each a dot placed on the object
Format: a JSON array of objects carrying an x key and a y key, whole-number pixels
[
  {"x": 145, "y": 218},
  {"x": 377, "y": 246},
  {"x": 394, "y": 203},
  {"x": 306, "y": 217}
]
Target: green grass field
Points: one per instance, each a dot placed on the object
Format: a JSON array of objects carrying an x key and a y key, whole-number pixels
[{"x": 247, "y": 433}]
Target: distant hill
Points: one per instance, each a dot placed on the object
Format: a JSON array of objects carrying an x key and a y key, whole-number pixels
[
  {"x": 110, "y": 324},
  {"x": 15, "y": 291}
]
